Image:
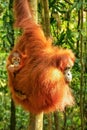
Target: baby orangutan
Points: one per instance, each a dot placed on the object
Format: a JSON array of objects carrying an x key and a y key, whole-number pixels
[
  {"x": 42, "y": 71},
  {"x": 16, "y": 61}
]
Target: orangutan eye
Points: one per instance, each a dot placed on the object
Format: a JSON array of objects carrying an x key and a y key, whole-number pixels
[
  {"x": 13, "y": 59},
  {"x": 18, "y": 59},
  {"x": 67, "y": 68}
]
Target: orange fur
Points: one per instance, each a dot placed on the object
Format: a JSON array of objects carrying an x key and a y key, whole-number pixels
[{"x": 40, "y": 84}]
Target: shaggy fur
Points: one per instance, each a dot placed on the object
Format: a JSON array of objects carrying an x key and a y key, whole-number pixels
[{"x": 40, "y": 84}]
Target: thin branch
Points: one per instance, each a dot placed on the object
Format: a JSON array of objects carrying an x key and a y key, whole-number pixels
[{"x": 69, "y": 2}]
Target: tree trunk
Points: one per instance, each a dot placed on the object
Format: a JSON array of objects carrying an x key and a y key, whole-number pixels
[
  {"x": 36, "y": 121},
  {"x": 56, "y": 121},
  {"x": 46, "y": 17},
  {"x": 78, "y": 40},
  {"x": 82, "y": 71},
  {"x": 34, "y": 7},
  {"x": 49, "y": 117},
  {"x": 39, "y": 121},
  {"x": 42, "y": 16},
  {"x": 46, "y": 27},
  {"x": 12, "y": 118},
  {"x": 64, "y": 126}
]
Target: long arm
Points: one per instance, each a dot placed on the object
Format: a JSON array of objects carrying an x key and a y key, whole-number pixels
[{"x": 22, "y": 12}]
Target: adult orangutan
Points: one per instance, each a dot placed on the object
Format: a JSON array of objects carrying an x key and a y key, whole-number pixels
[{"x": 38, "y": 72}]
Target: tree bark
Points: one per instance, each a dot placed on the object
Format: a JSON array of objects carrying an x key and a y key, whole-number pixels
[
  {"x": 56, "y": 121},
  {"x": 82, "y": 71},
  {"x": 78, "y": 40},
  {"x": 36, "y": 121},
  {"x": 49, "y": 117},
  {"x": 39, "y": 121},
  {"x": 34, "y": 7},
  {"x": 46, "y": 27},
  {"x": 12, "y": 118},
  {"x": 46, "y": 17},
  {"x": 65, "y": 119}
]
